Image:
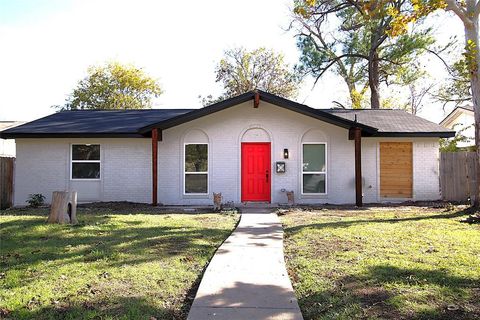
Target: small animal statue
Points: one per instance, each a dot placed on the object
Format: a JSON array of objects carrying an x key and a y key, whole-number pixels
[
  {"x": 290, "y": 198},
  {"x": 217, "y": 201}
]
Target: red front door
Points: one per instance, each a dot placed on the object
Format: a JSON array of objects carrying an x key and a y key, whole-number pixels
[{"x": 256, "y": 175}]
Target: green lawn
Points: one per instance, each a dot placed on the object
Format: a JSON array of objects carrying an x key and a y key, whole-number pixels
[
  {"x": 384, "y": 263},
  {"x": 113, "y": 265}
]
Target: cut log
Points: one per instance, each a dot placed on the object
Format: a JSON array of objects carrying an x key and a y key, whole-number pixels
[
  {"x": 63, "y": 208},
  {"x": 291, "y": 198}
]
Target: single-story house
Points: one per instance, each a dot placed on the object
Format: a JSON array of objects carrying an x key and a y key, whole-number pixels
[
  {"x": 252, "y": 147},
  {"x": 462, "y": 120}
]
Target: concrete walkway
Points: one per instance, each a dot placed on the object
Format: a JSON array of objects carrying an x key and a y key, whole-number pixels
[{"x": 247, "y": 278}]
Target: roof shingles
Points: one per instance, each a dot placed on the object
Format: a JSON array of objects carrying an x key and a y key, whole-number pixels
[
  {"x": 91, "y": 122},
  {"x": 389, "y": 120},
  {"x": 132, "y": 123}
]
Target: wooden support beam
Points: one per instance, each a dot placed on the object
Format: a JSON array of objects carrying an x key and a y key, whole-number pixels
[
  {"x": 256, "y": 99},
  {"x": 358, "y": 166},
  {"x": 351, "y": 133},
  {"x": 154, "y": 166}
]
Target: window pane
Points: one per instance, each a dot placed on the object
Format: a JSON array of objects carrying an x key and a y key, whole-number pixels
[
  {"x": 86, "y": 152},
  {"x": 314, "y": 183},
  {"x": 196, "y": 183},
  {"x": 313, "y": 157},
  {"x": 196, "y": 158},
  {"x": 85, "y": 170}
]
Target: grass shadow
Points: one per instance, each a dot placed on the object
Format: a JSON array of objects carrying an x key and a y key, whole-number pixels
[
  {"x": 349, "y": 223},
  {"x": 370, "y": 296},
  {"x": 178, "y": 246},
  {"x": 116, "y": 307}
]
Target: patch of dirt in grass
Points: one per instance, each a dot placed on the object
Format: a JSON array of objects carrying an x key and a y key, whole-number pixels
[
  {"x": 341, "y": 211},
  {"x": 325, "y": 248},
  {"x": 125, "y": 207},
  {"x": 374, "y": 302},
  {"x": 372, "y": 299},
  {"x": 319, "y": 248},
  {"x": 4, "y": 312},
  {"x": 472, "y": 307},
  {"x": 371, "y": 295},
  {"x": 115, "y": 296},
  {"x": 116, "y": 205}
]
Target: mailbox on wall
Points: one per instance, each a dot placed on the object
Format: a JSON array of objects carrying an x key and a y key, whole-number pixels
[{"x": 280, "y": 167}]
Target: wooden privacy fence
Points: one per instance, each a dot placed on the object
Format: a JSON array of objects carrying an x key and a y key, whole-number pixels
[
  {"x": 6, "y": 182},
  {"x": 458, "y": 176}
]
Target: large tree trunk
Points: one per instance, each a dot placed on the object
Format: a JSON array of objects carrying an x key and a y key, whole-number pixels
[
  {"x": 374, "y": 80},
  {"x": 354, "y": 97},
  {"x": 471, "y": 34}
]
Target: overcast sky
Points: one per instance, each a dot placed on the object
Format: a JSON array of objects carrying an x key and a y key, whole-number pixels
[{"x": 47, "y": 46}]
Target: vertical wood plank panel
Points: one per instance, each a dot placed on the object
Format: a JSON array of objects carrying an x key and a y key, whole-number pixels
[
  {"x": 471, "y": 170},
  {"x": 442, "y": 176},
  {"x": 458, "y": 176},
  {"x": 396, "y": 169},
  {"x": 6, "y": 182}
]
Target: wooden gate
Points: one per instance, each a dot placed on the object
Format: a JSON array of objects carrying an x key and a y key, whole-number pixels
[
  {"x": 6, "y": 182},
  {"x": 458, "y": 176}
]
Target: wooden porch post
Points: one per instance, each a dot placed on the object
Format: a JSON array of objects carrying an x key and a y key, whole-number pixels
[
  {"x": 256, "y": 99},
  {"x": 154, "y": 165},
  {"x": 358, "y": 166}
]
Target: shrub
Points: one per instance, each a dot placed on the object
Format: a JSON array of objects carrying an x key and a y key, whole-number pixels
[{"x": 36, "y": 200}]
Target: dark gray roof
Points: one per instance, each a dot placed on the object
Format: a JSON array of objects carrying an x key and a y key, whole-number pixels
[
  {"x": 139, "y": 123},
  {"x": 94, "y": 122},
  {"x": 390, "y": 121}
]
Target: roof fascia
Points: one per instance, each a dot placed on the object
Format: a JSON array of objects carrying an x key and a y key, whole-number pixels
[
  {"x": 264, "y": 96},
  {"x": 13, "y": 135},
  {"x": 454, "y": 114},
  {"x": 198, "y": 113},
  {"x": 440, "y": 134},
  {"x": 315, "y": 113}
]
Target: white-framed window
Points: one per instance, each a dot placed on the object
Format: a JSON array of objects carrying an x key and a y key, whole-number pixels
[
  {"x": 195, "y": 177},
  {"x": 85, "y": 163},
  {"x": 314, "y": 168}
]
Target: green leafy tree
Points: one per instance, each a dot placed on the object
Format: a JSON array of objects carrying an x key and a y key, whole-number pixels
[
  {"x": 451, "y": 144},
  {"x": 316, "y": 51},
  {"x": 241, "y": 71},
  {"x": 113, "y": 86},
  {"x": 350, "y": 37}
]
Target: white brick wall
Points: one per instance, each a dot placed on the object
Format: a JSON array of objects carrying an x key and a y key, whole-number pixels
[
  {"x": 43, "y": 165},
  {"x": 40, "y": 167},
  {"x": 127, "y": 170},
  {"x": 225, "y": 130},
  {"x": 426, "y": 183}
]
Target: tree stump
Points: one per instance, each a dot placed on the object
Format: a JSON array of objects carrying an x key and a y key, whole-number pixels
[
  {"x": 291, "y": 198},
  {"x": 217, "y": 201},
  {"x": 63, "y": 208}
]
